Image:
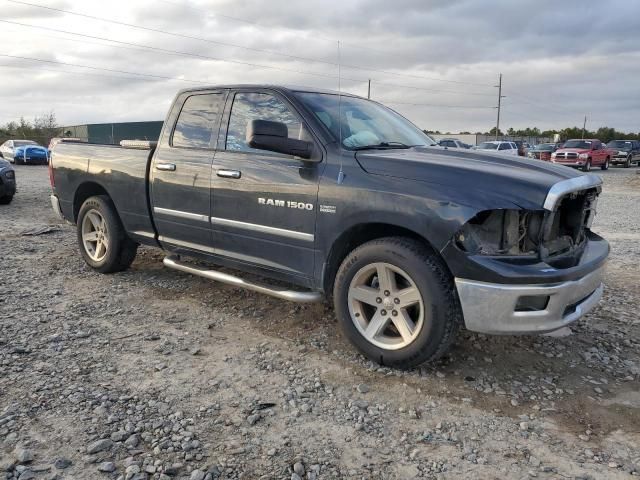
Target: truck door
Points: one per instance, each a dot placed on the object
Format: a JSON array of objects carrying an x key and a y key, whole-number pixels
[
  {"x": 181, "y": 171},
  {"x": 264, "y": 203}
]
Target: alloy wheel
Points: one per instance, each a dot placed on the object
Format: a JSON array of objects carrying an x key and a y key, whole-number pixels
[
  {"x": 386, "y": 306},
  {"x": 94, "y": 235}
]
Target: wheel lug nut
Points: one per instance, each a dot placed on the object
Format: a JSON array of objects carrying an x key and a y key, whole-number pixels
[
  {"x": 378, "y": 300},
  {"x": 387, "y": 293},
  {"x": 394, "y": 313},
  {"x": 396, "y": 301},
  {"x": 383, "y": 312}
]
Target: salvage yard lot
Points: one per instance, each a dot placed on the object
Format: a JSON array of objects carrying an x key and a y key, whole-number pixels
[{"x": 154, "y": 372}]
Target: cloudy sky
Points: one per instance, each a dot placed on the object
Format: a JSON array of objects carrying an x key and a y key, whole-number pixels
[{"x": 435, "y": 61}]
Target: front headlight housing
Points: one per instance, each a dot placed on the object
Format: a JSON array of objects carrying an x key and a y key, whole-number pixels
[
  {"x": 502, "y": 232},
  {"x": 583, "y": 156},
  {"x": 553, "y": 155}
]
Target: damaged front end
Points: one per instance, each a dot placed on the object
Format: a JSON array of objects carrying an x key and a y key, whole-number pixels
[{"x": 556, "y": 237}]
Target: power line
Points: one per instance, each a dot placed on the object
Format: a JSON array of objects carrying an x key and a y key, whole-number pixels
[
  {"x": 170, "y": 52},
  {"x": 68, "y": 72},
  {"x": 122, "y": 44},
  {"x": 193, "y": 37},
  {"x": 148, "y": 75}
]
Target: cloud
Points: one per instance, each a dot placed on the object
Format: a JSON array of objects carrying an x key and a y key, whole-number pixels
[{"x": 560, "y": 60}]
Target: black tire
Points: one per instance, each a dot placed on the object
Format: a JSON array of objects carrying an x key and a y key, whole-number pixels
[
  {"x": 436, "y": 288},
  {"x": 587, "y": 166},
  {"x": 121, "y": 249},
  {"x": 6, "y": 199},
  {"x": 627, "y": 164},
  {"x": 605, "y": 165},
  {"x": 17, "y": 161}
]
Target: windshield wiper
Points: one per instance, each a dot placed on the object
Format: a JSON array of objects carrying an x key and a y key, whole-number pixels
[{"x": 384, "y": 145}]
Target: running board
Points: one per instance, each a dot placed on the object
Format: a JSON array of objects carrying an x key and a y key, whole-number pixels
[{"x": 173, "y": 261}]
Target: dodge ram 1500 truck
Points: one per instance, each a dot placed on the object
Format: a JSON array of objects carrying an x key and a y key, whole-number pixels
[
  {"x": 583, "y": 154},
  {"x": 339, "y": 196}
]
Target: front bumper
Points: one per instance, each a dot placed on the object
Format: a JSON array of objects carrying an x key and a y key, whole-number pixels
[{"x": 493, "y": 308}]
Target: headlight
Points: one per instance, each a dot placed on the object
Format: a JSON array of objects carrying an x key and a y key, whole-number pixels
[
  {"x": 553, "y": 155},
  {"x": 10, "y": 174},
  {"x": 501, "y": 232},
  {"x": 583, "y": 156},
  {"x": 530, "y": 154}
]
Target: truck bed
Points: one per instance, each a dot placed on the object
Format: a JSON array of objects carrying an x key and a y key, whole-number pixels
[{"x": 121, "y": 171}]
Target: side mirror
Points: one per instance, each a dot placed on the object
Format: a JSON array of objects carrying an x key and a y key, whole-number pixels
[{"x": 274, "y": 137}]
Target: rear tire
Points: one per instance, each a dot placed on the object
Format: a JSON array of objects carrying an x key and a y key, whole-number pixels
[
  {"x": 395, "y": 301},
  {"x": 6, "y": 199},
  {"x": 605, "y": 166},
  {"x": 103, "y": 243},
  {"x": 587, "y": 166}
]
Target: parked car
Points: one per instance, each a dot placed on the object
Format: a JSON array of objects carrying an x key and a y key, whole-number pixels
[
  {"x": 7, "y": 182},
  {"x": 583, "y": 154},
  {"x": 542, "y": 151},
  {"x": 453, "y": 143},
  {"x": 625, "y": 152},
  {"x": 24, "y": 151},
  {"x": 313, "y": 188},
  {"x": 501, "y": 147}
]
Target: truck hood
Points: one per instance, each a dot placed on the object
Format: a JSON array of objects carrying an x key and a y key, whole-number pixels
[{"x": 501, "y": 181}]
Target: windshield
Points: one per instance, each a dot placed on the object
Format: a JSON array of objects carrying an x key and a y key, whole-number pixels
[
  {"x": 577, "y": 144},
  {"x": 22, "y": 143},
  {"x": 363, "y": 123},
  {"x": 488, "y": 146},
  {"x": 544, "y": 147},
  {"x": 621, "y": 144}
]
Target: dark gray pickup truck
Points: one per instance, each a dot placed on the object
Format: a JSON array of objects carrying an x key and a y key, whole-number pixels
[{"x": 337, "y": 195}]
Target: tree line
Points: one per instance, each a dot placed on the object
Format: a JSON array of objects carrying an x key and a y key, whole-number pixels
[{"x": 41, "y": 129}]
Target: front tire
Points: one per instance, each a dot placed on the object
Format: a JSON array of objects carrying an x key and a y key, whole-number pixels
[
  {"x": 587, "y": 166},
  {"x": 627, "y": 164},
  {"x": 103, "y": 243},
  {"x": 6, "y": 199},
  {"x": 395, "y": 301}
]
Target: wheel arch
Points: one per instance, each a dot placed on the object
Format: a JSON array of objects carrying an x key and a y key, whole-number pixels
[
  {"x": 359, "y": 234},
  {"x": 86, "y": 190}
]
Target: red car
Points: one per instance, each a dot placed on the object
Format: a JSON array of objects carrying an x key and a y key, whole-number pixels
[
  {"x": 542, "y": 151},
  {"x": 583, "y": 154}
]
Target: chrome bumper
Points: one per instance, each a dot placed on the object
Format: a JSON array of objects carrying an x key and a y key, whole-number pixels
[
  {"x": 491, "y": 308},
  {"x": 55, "y": 204}
]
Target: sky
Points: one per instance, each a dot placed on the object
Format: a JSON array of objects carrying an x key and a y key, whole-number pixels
[{"x": 436, "y": 62}]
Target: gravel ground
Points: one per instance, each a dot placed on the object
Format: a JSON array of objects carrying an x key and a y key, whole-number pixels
[{"x": 151, "y": 373}]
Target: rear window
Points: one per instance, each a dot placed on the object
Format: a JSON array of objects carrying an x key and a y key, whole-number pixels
[
  {"x": 196, "y": 122},
  {"x": 488, "y": 146}
]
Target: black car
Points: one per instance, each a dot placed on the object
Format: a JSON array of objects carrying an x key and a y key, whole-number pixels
[
  {"x": 627, "y": 152},
  {"x": 7, "y": 182}
]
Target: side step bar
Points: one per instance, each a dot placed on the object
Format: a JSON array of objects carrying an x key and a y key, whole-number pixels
[{"x": 172, "y": 261}]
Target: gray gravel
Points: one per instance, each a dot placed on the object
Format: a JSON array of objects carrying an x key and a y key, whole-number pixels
[{"x": 153, "y": 374}]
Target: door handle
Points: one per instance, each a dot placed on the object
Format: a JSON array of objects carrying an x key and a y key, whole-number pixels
[
  {"x": 228, "y": 173},
  {"x": 168, "y": 167}
]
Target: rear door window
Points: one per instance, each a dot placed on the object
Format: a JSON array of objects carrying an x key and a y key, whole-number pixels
[{"x": 199, "y": 116}]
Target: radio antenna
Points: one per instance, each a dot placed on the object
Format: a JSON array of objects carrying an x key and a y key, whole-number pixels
[{"x": 341, "y": 172}]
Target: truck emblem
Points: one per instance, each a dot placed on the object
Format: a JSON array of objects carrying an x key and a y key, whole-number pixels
[{"x": 285, "y": 203}]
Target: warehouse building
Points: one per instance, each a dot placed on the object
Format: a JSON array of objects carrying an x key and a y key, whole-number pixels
[{"x": 113, "y": 133}]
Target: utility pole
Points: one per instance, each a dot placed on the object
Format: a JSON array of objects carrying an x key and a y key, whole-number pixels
[
  {"x": 500, "y": 97},
  {"x": 369, "y": 90},
  {"x": 584, "y": 126}
]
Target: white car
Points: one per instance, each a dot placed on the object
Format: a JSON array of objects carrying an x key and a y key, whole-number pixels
[
  {"x": 497, "y": 146},
  {"x": 8, "y": 148}
]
